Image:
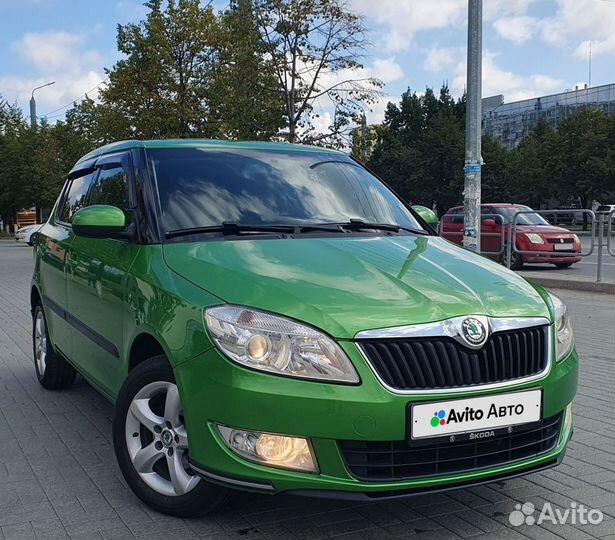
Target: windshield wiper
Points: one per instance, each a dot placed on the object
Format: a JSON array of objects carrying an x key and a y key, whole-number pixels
[
  {"x": 358, "y": 224},
  {"x": 231, "y": 228}
]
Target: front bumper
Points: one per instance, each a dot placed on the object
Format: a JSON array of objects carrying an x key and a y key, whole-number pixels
[
  {"x": 216, "y": 391},
  {"x": 546, "y": 253}
]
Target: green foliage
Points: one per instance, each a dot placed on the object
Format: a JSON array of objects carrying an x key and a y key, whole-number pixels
[
  {"x": 421, "y": 148},
  {"x": 161, "y": 87},
  {"x": 420, "y": 153},
  {"x": 241, "y": 82}
]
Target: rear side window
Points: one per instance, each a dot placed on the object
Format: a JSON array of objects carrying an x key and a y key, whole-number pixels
[
  {"x": 76, "y": 197},
  {"x": 110, "y": 188}
]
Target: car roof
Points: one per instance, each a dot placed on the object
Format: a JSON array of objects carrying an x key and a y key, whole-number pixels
[
  {"x": 495, "y": 205},
  {"x": 201, "y": 143}
]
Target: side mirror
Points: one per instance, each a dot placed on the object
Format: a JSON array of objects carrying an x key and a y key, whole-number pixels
[
  {"x": 489, "y": 222},
  {"x": 99, "y": 221},
  {"x": 427, "y": 214}
]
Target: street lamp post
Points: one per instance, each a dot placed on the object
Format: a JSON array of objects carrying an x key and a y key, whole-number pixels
[
  {"x": 473, "y": 161},
  {"x": 33, "y": 104}
]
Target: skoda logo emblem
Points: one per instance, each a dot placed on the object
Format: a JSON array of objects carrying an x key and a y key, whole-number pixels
[
  {"x": 474, "y": 332},
  {"x": 166, "y": 437}
]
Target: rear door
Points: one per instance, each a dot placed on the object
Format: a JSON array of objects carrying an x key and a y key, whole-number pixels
[{"x": 97, "y": 281}]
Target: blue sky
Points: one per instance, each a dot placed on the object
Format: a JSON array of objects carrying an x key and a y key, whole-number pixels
[{"x": 531, "y": 47}]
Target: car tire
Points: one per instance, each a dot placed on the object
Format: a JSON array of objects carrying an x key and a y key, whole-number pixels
[
  {"x": 516, "y": 262},
  {"x": 563, "y": 265},
  {"x": 147, "y": 410},
  {"x": 52, "y": 371}
]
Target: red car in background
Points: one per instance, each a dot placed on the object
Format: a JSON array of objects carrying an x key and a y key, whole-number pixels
[{"x": 533, "y": 233}]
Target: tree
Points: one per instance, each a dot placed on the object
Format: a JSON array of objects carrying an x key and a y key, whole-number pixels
[
  {"x": 242, "y": 79},
  {"x": 582, "y": 168},
  {"x": 532, "y": 164},
  {"x": 314, "y": 47},
  {"x": 161, "y": 87},
  {"x": 420, "y": 149}
]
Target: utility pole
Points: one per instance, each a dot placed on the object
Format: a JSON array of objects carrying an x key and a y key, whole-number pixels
[
  {"x": 33, "y": 104},
  {"x": 473, "y": 163}
]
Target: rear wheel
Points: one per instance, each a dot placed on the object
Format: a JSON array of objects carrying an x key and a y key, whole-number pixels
[
  {"x": 151, "y": 444},
  {"x": 52, "y": 371}
]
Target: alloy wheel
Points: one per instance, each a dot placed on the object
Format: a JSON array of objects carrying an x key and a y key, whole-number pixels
[
  {"x": 40, "y": 342},
  {"x": 157, "y": 440}
]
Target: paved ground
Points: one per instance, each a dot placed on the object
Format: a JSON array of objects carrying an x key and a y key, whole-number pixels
[{"x": 58, "y": 476}]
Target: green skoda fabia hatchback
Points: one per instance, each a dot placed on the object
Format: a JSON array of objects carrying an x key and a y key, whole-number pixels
[{"x": 273, "y": 318}]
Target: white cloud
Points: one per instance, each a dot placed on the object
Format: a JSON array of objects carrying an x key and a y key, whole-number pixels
[
  {"x": 59, "y": 57},
  {"x": 439, "y": 58},
  {"x": 404, "y": 18},
  {"x": 514, "y": 86},
  {"x": 576, "y": 22},
  {"x": 493, "y": 9},
  {"x": 49, "y": 51},
  {"x": 599, "y": 47},
  {"x": 385, "y": 69},
  {"x": 517, "y": 29},
  {"x": 376, "y": 113}
]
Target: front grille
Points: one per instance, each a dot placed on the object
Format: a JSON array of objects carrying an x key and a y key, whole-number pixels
[
  {"x": 376, "y": 461},
  {"x": 560, "y": 240},
  {"x": 442, "y": 362}
]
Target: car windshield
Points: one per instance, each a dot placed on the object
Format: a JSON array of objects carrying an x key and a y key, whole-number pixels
[
  {"x": 522, "y": 219},
  {"x": 245, "y": 187}
]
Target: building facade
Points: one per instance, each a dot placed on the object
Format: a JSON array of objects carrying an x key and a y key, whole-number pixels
[{"x": 510, "y": 123}]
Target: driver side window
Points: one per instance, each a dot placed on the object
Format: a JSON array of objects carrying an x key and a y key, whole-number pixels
[{"x": 76, "y": 197}]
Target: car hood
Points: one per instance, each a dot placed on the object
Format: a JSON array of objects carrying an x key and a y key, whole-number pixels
[
  {"x": 542, "y": 229},
  {"x": 345, "y": 285}
]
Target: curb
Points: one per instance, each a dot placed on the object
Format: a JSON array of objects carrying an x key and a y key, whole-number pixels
[{"x": 573, "y": 284}]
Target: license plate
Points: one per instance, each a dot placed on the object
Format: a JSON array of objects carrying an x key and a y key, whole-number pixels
[
  {"x": 562, "y": 247},
  {"x": 444, "y": 418}
]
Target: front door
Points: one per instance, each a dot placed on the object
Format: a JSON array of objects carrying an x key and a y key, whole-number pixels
[
  {"x": 53, "y": 258},
  {"x": 97, "y": 283}
]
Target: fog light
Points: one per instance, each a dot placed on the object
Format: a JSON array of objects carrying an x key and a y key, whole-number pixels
[{"x": 269, "y": 449}]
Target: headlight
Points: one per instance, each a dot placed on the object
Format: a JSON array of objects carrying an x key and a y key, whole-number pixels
[
  {"x": 534, "y": 238},
  {"x": 277, "y": 345},
  {"x": 563, "y": 328}
]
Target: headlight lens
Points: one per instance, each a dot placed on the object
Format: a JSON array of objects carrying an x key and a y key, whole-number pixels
[
  {"x": 277, "y": 345},
  {"x": 563, "y": 328},
  {"x": 534, "y": 238}
]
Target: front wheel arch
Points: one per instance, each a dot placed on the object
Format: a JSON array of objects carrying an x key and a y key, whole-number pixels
[
  {"x": 35, "y": 298},
  {"x": 144, "y": 347}
]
